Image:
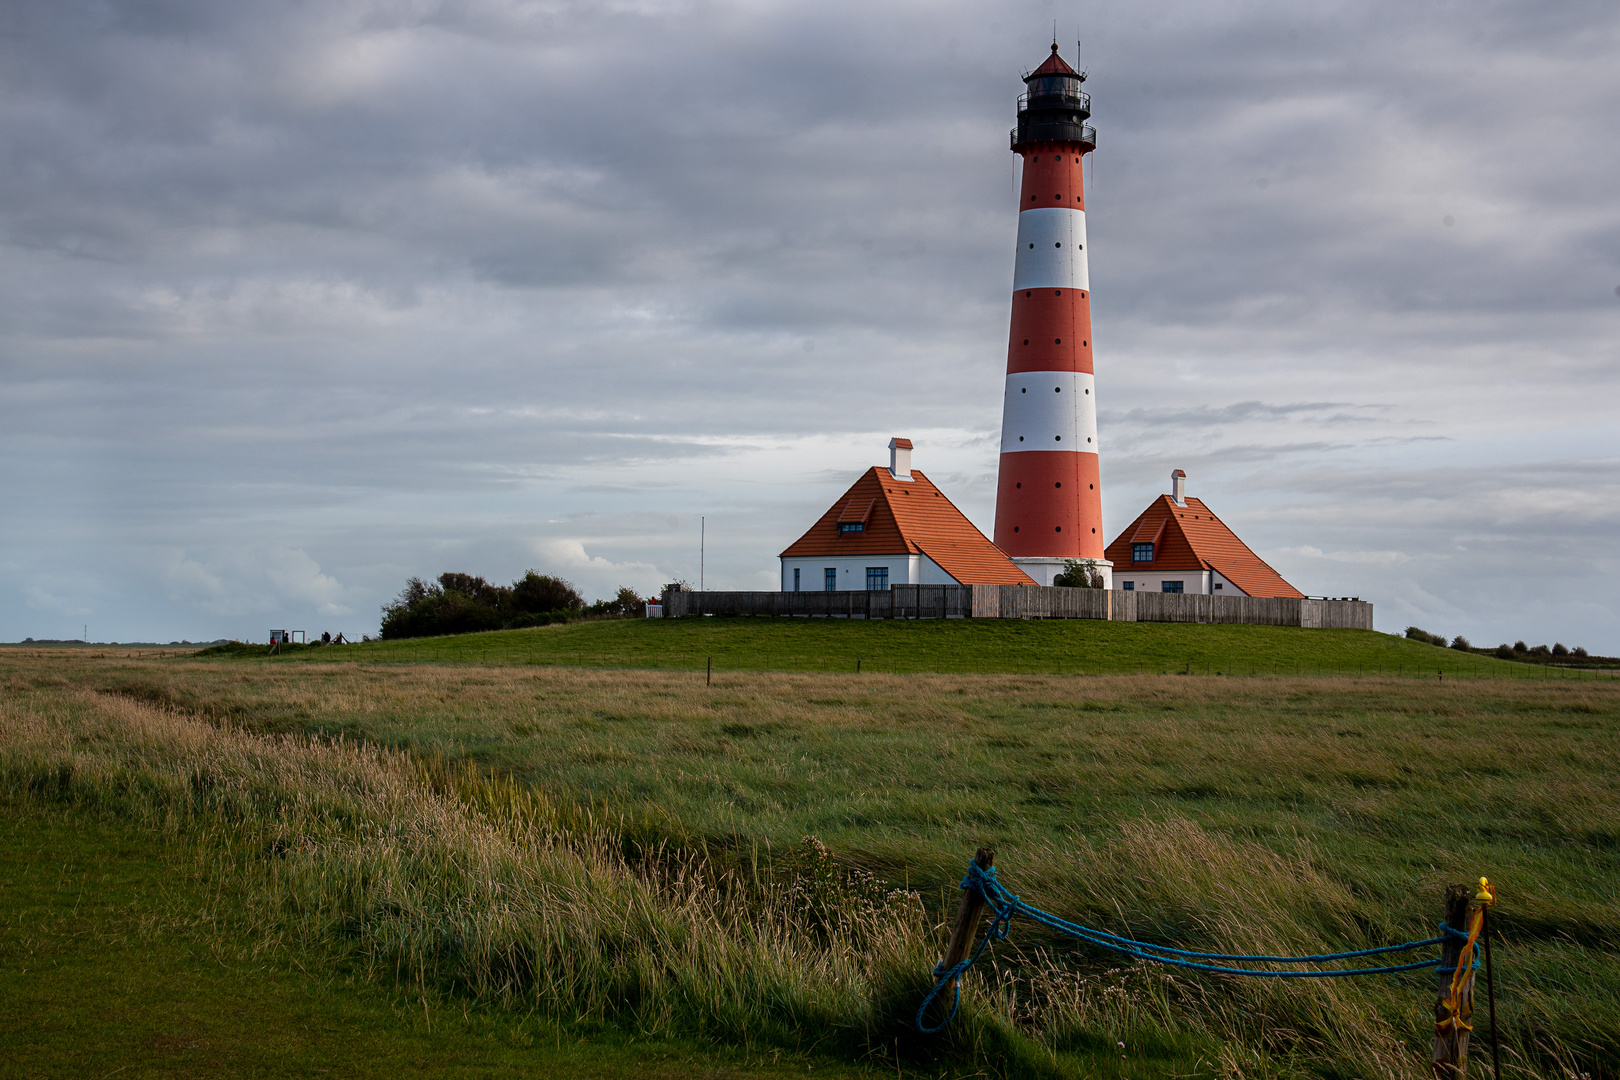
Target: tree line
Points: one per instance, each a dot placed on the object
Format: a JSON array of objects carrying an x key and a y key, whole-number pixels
[
  {"x": 465, "y": 604},
  {"x": 1533, "y": 654}
]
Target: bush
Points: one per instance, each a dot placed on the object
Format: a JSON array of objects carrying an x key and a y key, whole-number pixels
[
  {"x": 625, "y": 605},
  {"x": 535, "y": 593},
  {"x": 1559, "y": 650},
  {"x": 1541, "y": 650},
  {"x": 1460, "y": 643},
  {"x": 1417, "y": 634},
  {"x": 1578, "y": 651},
  {"x": 465, "y": 604},
  {"x": 1519, "y": 647},
  {"x": 1504, "y": 651},
  {"x": 1079, "y": 574}
]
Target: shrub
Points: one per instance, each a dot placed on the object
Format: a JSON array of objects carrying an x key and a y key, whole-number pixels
[
  {"x": 542, "y": 592},
  {"x": 1519, "y": 647},
  {"x": 1504, "y": 651},
  {"x": 1417, "y": 634},
  {"x": 1079, "y": 574},
  {"x": 1559, "y": 650},
  {"x": 626, "y": 604},
  {"x": 1578, "y": 651},
  {"x": 465, "y": 603},
  {"x": 1541, "y": 650},
  {"x": 1460, "y": 643}
]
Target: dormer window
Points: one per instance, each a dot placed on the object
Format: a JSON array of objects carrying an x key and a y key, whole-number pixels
[
  {"x": 851, "y": 526},
  {"x": 1141, "y": 553}
]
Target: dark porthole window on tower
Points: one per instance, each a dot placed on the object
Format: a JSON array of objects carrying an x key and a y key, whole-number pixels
[
  {"x": 1057, "y": 389},
  {"x": 1057, "y": 528},
  {"x": 1019, "y": 484},
  {"x": 1026, "y": 341},
  {"x": 1058, "y": 438},
  {"x": 1058, "y": 244},
  {"x": 1057, "y": 341},
  {"x": 1020, "y": 438},
  {"x": 1058, "y": 484},
  {"x": 1015, "y": 528}
]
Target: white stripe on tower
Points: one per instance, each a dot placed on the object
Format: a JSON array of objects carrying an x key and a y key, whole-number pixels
[
  {"x": 1051, "y": 249},
  {"x": 1049, "y": 410}
]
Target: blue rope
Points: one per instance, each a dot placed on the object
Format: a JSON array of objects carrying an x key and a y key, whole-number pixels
[{"x": 1006, "y": 906}]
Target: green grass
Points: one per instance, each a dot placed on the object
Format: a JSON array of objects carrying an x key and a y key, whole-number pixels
[
  {"x": 983, "y": 646},
  {"x": 119, "y": 956},
  {"x": 1238, "y": 814}
]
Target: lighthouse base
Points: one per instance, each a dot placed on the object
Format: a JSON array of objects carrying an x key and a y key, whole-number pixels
[{"x": 1044, "y": 569}]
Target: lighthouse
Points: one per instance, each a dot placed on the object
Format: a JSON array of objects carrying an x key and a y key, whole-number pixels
[{"x": 1048, "y": 494}]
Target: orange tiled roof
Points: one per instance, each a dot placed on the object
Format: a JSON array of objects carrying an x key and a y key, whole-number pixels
[
  {"x": 908, "y": 518},
  {"x": 1191, "y": 537}
]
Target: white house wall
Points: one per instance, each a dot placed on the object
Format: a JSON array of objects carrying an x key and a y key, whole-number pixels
[
  {"x": 903, "y": 570},
  {"x": 1192, "y": 581}
]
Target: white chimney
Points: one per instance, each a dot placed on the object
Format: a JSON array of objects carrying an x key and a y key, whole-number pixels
[
  {"x": 900, "y": 459},
  {"x": 1178, "y": 487}
]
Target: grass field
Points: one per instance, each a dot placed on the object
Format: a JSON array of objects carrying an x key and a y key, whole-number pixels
[
  {"x": 628, "y": 846},
  {"x": 120, "y": 955},
  {"x": 961, "y": 646}
]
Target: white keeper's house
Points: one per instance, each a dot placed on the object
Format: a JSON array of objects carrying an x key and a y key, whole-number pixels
[
  {"x": 894, "y": 527},
  {"x": 1178, "y": 545}
]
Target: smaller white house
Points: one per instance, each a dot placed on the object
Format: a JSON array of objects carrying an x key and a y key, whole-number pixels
[
  {"x": 1178, "y": 545},
  {"x": 894, "y": 527}
]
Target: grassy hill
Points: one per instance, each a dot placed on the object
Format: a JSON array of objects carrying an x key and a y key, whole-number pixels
[{"x": 954, "y": 646}]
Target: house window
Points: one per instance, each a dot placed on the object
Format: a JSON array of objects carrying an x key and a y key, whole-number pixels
[
  {"x": 1217, "y": 584},
  {"x": 830, "y": 579},
  {"x": 1141, "y": 553},
  {"x": 851, "y": 526},
  {"x": 795, "y": 579},
  {"x": 1169, "y": 586},
  {"x": 877, "y": 578},
  {"x": 1130, "y": 586}
]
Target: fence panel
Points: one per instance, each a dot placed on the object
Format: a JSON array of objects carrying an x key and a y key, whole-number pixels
[{"x": 1026, "y": 602}]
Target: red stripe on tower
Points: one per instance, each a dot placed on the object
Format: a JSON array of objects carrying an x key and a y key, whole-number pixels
[{"x": 1049, "y": 498}]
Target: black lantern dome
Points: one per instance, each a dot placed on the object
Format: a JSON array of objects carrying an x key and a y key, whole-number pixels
[{"x": 1054, "y": 108}]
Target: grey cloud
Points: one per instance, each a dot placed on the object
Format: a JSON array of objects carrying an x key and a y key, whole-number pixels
[{"x": 394, "y": 283}]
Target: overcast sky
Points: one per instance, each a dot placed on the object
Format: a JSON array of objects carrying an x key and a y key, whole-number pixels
[{"x": 298, "y": 300}]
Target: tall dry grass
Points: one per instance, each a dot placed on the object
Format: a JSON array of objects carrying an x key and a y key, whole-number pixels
[{"x": 425, "y": 871}]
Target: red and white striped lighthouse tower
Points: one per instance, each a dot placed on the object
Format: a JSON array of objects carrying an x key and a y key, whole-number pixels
[{"x": 1049, "y": 498}]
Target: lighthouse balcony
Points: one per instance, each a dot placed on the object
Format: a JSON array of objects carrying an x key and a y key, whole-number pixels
[
  {"x": 1042, "y": 129},
  {"x": 1071, "y": 101}
]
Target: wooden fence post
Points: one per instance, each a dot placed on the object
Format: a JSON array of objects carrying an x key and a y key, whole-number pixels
[
  {"x": 708, "y": 674},
  {"x": 966, "y": 926},
  {"x": 1450, "y": 1057}
]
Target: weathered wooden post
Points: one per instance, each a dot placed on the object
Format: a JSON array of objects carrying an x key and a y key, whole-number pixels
[
  {"x": 1454, "y": 1000},
  {"x": 708, "y": 674},
  {"x": 966, "y": 926}
]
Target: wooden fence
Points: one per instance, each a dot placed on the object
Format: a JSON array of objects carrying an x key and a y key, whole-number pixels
[{"x": 1028, "y": 602}]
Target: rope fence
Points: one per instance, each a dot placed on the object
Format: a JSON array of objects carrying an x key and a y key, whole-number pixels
[{"x": 1454, "y": 1006}]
